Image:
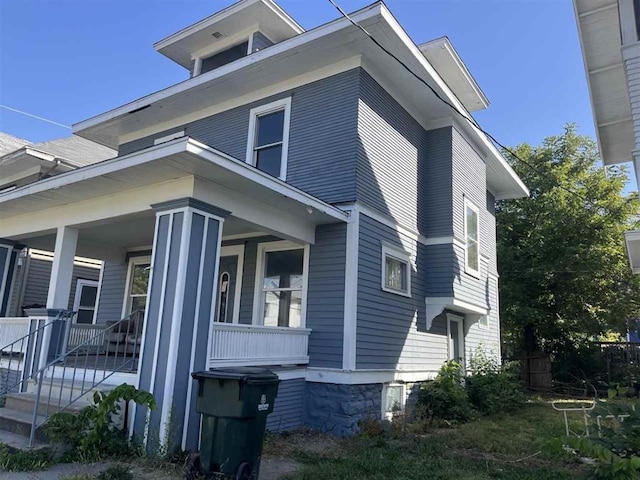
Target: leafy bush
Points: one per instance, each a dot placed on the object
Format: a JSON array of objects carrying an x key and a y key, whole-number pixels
[
  {"x": 445, "y": 398},
  {"x": 93, "y": 432},
  {"x": 493, "y": 388}
]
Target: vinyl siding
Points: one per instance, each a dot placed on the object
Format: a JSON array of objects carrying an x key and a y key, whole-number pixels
[
  {"x": 111, "y": 299},
  {"x": 391, "y": 149},
  {"x": 37, "y": 282},
  {"x": 322, "y": 139},
  {"x": 488, "y": 336},
  {"x": 289, "y": 406},
  {"x": 325, "y": 297},
  {"x": 391, "y": 329}
]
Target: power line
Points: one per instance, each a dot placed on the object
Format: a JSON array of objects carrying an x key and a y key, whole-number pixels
[
  {"x": 466, "y": 117},
  {"x": 34, "y": 116}
]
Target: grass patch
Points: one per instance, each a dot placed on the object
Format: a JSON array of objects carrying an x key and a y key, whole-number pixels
[
  {"x": 498, "y": 447},
  {"x": 14, "y": 460}
]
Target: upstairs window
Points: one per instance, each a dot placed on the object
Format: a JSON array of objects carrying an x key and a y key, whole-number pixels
[
  {"x": 269, "y": 138},
  {"x": 226, "y": 56},
  {"x": 472, "y": 238}
]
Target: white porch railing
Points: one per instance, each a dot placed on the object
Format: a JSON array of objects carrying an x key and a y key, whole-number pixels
[
  {"x": 252, "y": 345},
  {"x": 12, "y": 329}
]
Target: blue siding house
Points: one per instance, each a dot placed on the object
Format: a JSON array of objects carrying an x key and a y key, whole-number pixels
[{"x": 299, "y": 202}]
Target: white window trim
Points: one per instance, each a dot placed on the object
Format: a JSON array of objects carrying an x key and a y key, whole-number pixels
[
  {"x": 283, "y": 104},
  {"x": 469, "y": 204},
  {"x": 403, "y": 399},
  {"x": 76, "y": 301},
  {"x": 460, "y": 323},
  {"x": 229, "y": 251},
  {"x": 397, "y": 254},
  {"x": 258, "y": 304},
  {"x": 126, "y": 304}
]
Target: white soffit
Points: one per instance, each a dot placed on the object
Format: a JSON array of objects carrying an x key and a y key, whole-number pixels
[
  {"x": 600, "y": 37},
  {"x": 447, "y": 62},
  {"x": 266, "y": 15},
  {"x": 632, "y": 240}
]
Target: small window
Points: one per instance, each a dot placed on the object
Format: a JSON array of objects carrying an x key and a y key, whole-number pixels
[
  {"x": 269, "y": 138},
  {"x": 85, "y": 301},
  {"x": 138, "y": 285},
  {"x": 396, "y": 271},
  {"x": 472, "y": 238},
  {"x": 455, "y": 335},
  {"x": 393, "y": 400},
  {"x": 224, "y": 57}
]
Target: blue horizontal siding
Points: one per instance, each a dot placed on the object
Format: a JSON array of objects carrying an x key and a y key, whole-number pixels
[{"x": 288, "y": 408}]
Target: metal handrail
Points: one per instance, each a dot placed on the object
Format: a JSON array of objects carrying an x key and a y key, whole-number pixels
[
  {"x": 85, "y": 385},
  {"x": 123, "y": 336}
]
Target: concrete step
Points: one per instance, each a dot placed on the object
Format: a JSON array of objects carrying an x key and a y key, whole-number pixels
[
  {"x": 25, "y": 402},
  {"x": 18, "y": 422}
]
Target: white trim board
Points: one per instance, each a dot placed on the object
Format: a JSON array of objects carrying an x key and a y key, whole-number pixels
[
  {"x": 351, "y": 290},
  {"x": 361, "y": 377}
]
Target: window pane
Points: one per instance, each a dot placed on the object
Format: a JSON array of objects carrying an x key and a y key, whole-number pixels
[
  {"x": 454, "y": 341},
  {"x": 395, "y": 274},
  {"x": 269, "y": 160},
  {"x": 85, "y": 316},
  {"x": 88, "y": 296},
  {"x": 138, "y": 303},
  {"x": 393, "y": 400},
  {"x": 283, "y": 309},
  {"x": 472, "y": 224},
  {"x": 284, "y": 269},
  {"x": 140, "y": 280},
  {"x": 269, "y": 128},
  {"x": 472, "y": 255}
]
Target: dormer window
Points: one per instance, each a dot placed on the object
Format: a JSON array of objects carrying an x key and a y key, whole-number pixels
[
  {"x": 269, "y": 137},
  {"x": 226, "y": 56}
]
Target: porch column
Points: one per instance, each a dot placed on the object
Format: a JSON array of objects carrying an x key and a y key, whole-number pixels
[
  {"x": 8, "y": 260},
  {"x": 59, "y": 291},
  {"x": 185, "y": 258}
]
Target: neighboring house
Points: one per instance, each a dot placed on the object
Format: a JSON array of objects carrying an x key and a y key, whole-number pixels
[
  {"x": 609, "y": 32},
  {"x": 301, "y": 202},
  {"x": 26, "y": 282}
]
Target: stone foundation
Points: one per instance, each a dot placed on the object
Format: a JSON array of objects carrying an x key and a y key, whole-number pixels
[{"x": 337, "y": 409}]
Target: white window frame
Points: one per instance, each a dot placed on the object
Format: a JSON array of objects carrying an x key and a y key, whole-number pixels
[
  {"x": 229, "y": 251},
  {"x": 471, "y": 271},
  {"x": 82, "y": 282},
  {"x": 403, "y": 399},
  {"x": 460, "y": 325},
  {"x": 133, "y": 261},
  {"x": 283, "y": 104},
  {"x": 397, "y": 254},
  {"x": 258, "y": 302}
]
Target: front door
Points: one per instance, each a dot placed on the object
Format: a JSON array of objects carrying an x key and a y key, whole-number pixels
[{"x": 226, "y": 308}]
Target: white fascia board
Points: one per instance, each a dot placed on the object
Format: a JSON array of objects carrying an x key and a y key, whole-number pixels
[
  {"x": 221, "y": 15},
  {"x": 274, "y": 50}
]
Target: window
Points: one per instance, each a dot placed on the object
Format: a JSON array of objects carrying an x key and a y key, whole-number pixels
[
  {"x": 455, "y": 335},
  {"x": 226, "y": 56},
  {"x": 281, "y": 284},
  {"x": 472, "y": 238},
  {"x": 396, "y": 271},
  {"x": 269, "y": 138},
  {"x": 85, "y": 301},
  {"x": 137, "y": 285},
  {"x": 393, "y": 400}
]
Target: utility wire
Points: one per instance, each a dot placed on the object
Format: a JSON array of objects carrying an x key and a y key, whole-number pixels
[
  {"x": 34, "y": 116},
  {"x": 466, "y": 117}
]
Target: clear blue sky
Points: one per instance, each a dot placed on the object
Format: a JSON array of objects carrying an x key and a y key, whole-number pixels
[{"x": 68, "y": 60}]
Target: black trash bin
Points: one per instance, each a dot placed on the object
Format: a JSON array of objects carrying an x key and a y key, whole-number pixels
[{"x": 234, "y": 403}]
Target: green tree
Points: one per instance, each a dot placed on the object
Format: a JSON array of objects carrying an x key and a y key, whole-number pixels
[{"x": 563, "y": 267}]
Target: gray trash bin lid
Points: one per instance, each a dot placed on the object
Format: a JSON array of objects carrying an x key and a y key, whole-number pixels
[{"x": 241, "y": 374}]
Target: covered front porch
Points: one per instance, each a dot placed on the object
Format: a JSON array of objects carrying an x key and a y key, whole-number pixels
[{"x": 214, "y": 251}]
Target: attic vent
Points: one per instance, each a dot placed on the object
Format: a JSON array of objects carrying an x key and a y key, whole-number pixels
[{"x": 216, "y": 34}]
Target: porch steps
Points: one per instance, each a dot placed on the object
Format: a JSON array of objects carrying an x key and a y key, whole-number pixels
[{"x": 19, "y": 422}]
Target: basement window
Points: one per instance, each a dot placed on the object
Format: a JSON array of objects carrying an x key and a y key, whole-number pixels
[{"x": 393, "y": 400}]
